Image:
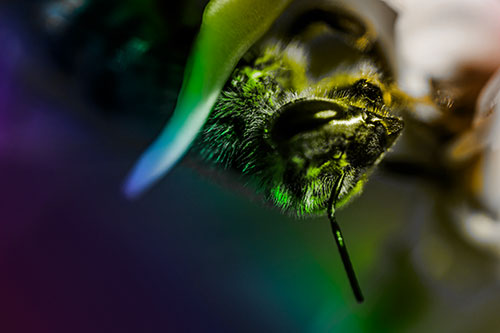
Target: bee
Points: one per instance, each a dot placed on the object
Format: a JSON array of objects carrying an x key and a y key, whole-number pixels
[
  {"x": 296, "y": 98},
  {"x": 292, "y": 136},
  {"x": 304, "y": 130},
  {"x": 307, "y": 113}
]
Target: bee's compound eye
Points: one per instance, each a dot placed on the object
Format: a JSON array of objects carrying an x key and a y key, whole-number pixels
[{"x": 304, "y": 116}]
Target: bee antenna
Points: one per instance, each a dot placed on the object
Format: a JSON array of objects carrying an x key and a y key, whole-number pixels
[{"x": 339, "y": 239}]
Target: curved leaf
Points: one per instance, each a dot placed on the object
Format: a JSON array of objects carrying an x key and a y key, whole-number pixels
[{"x": 228, "y": 30}]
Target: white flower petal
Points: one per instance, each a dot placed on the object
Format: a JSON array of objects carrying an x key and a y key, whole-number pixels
[{"x": 434, "y": 39}]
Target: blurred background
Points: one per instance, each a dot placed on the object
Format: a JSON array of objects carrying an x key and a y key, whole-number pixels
[{"x": 85, "y": 86}]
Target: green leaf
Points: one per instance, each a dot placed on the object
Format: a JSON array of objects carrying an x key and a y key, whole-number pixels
[{"x": 229, "y": 28}]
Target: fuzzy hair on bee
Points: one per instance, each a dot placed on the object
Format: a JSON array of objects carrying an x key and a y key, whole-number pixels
[{"x": 290, "y": 135}]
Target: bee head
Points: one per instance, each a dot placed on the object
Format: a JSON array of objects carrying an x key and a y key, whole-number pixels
[
  {"x": 307, "y": 104},
  {"x": 316, "y": 129}
]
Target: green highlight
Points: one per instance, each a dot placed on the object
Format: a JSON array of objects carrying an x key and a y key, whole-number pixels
[
  {"x": 281, "y": 197},
  {"x": 339, "y": 238},
  {"x": 313, "y": 172}
]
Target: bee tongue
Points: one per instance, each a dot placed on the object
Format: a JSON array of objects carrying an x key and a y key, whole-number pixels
[{"x": 339, "y": 240}]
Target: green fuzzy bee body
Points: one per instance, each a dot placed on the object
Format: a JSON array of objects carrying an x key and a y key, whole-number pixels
[{"x": 297, "y": 173}]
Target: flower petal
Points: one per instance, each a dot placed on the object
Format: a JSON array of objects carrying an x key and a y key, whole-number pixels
[
  {"x": 435, "y": 39},
  {"x": 228, "y": 29}
]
